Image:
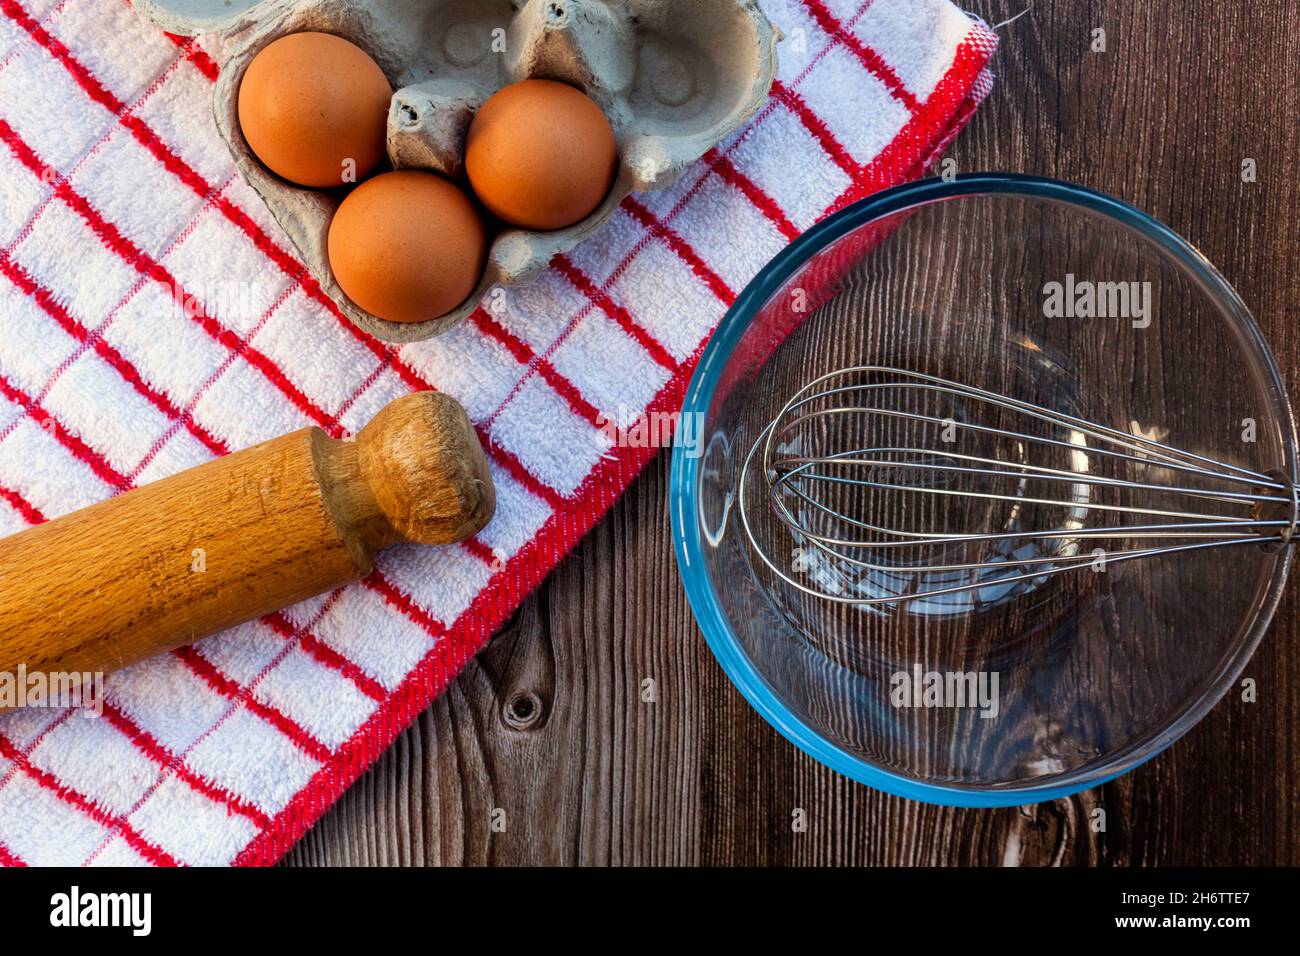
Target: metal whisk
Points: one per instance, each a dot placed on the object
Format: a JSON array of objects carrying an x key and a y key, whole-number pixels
[{"x": 892, "y": 486}]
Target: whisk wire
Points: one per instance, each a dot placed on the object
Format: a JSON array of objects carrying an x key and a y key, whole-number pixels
[{"x": 819, "y": 499}]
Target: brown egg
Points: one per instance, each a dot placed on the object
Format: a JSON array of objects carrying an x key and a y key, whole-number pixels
[
  {"x": 541, "y": 155},
  {"x": 314, "y": 108},
  {"x": 407, "y": 246}
]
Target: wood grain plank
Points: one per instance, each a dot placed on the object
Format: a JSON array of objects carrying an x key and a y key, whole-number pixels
[{"x": 1184, "y": 93}]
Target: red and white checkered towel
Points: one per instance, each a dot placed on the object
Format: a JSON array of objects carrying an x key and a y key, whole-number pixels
[{"x": 118, "y": 201}]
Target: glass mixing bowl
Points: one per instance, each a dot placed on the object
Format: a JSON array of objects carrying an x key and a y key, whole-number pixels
[{"x": 1044, "y": 292}]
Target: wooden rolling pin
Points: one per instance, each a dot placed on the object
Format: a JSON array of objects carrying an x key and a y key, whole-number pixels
[{"x": 237, "y": 538}]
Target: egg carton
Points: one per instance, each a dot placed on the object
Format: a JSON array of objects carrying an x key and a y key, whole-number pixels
[{"x": 675, "y": 77}]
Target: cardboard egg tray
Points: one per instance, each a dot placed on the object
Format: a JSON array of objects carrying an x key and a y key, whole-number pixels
[{"x": 675, "y": 77}]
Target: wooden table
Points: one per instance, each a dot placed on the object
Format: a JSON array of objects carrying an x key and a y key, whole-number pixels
[{"x": 549, "y": 726}]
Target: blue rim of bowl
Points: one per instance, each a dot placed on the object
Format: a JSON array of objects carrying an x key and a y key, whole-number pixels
[{"x": 685, "y": 519}]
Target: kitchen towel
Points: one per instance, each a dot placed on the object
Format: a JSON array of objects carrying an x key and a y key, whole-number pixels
[{"x": 152, "y": 316}]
